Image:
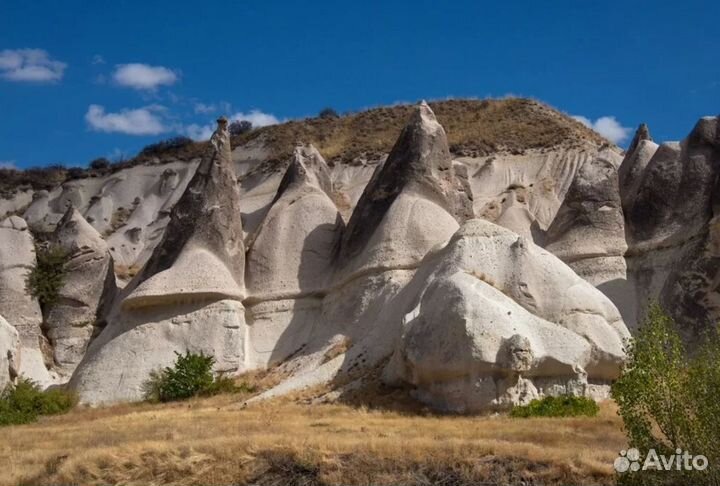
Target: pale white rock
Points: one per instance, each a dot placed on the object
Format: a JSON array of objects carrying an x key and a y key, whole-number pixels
[
  {"x": 88, "y": 288},
  {"x": 188, "y": 296},
  {"x": 9, "y": 353},
  {"x": 588, "y": 232},
  {"x": 291, "y": 252},
  {"x": 495, "y": 318},
  {"x": 17, "y": 306}
]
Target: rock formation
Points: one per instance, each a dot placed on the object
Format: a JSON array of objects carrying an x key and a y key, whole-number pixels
[
  {"x": 497, "y": 321},
  {"x": 9, "y": 353},
  {"x": 376, "y": 267},
  {"x": 670, "y": 201},
  {"x": 588, "y": 231},
  {"x": 87, "y": 290},
  {"x": 289, "y": 260},
  {"x": 21, "y": 310},
  {"x": 187, "y": 297}
]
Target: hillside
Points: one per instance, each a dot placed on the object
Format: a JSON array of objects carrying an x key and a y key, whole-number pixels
[{"x": 475, "y": 128}]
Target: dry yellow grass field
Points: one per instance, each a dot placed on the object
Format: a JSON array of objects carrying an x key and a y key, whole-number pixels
[{"x": 216, "y": 441}]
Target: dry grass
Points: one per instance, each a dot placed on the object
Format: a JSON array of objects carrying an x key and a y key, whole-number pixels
[
  {"x": 474, "y": 127},
  {"x": 215, "y": 442}
]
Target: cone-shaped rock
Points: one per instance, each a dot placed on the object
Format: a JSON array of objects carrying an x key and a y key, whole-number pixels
[
  {"x": 17, "y": 306},
  {"x": 642, "y": 133},
  {"x": 671, "y": 216},
  {"x": 88, "y": 288},
  {"x": 410, "y": 203},
  {"x": 188, "y": 297},
  {"x": 637, "y": 156},
  {"x": 291, "y": 251},
  {"x": 588, "y": 231},
  {"x": 201, "y": 255},
  {"x": 289, "y": 261}
]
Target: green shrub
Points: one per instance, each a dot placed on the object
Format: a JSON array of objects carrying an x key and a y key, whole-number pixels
[
  {"x": 24, "y": 402},
  {"x": 46, "y": 278},
  {"x": 669, "y": 400},
  {"x": 191, "y": 376},
  {"x": 562, "y": 406}
]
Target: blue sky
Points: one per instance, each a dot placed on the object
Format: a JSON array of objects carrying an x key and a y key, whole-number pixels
[{"x": 80, "y": 80}]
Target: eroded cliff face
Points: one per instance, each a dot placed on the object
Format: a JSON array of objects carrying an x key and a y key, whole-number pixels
[
  {"x": 670, "y": 200},
  {"x": 515, "y": 262}
]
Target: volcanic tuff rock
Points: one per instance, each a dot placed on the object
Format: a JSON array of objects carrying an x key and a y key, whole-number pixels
[
  {"x": 289, "y": 260},
  {"x": 87, "y": 290},
  {"x": 672, "y": 226},
  {"x": 496, "y": 320},
  {"x": 188, "y": 296},
  {"x": 588, "y": 231},
  {"x": 21, "y": 310},
  {"x": 9, "y": 353},
  {"x": 471, "y": 314}
]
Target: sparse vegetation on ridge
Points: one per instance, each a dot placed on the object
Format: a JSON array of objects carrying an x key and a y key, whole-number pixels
[{"x": 474, "y": 127}]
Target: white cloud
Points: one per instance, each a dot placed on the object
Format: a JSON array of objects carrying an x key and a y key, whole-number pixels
[
  {"x": 257, "y": 118},
  {"x": 143, "y": 76},
  {"x": 608, "y": 127},
  {"x": 141, "y": 121},
  {"x": 98, "y": 59},
  {"x": 30, "y": 65},
  {"x": 199, "y": 132},
  {"x": 205, "y": 108},
  {"x": 8, "y": 164}
]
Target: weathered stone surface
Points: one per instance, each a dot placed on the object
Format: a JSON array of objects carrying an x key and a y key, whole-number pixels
[
  {"x": 497, "y": 320},
  {"x": 87, "y": 291},
  {"x": 291, "y": 252},
  {"x": 188, "y": 296},
  {"x": 417, "y": 181},
  {"x": 588, "y": 232},
  {"x": 9, "y": 353},
  {"x": 20, "y": 309},
  {"x": 289, "y": 261},
  {"x": 671, "y": 218}
]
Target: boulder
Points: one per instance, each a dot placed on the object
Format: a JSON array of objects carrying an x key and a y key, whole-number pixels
[
  {"x": 187, "y": 297},
  {"x": 496, "y": 321},
  {"x": 87, "y": 290}
]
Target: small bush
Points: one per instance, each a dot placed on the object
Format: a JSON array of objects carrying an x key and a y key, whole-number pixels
[
  {"x": 169, "y": 144},
  {"x": 46, "y": 278},
  {"x": 24, "y": 402},
  {"x": 562, "y": 406},
  {"x": 191, "y": 376},
  {"x": 239, "y": 127},
  {"x": 100, "y": 163},
  {"x": 328, "y": 113},
  {"x": 669, "y": 400}
]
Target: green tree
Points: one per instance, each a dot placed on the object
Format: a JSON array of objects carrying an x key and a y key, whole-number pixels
[
  {"x": 669, "y": 400},
  {"x": 46, "y": 278}
]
